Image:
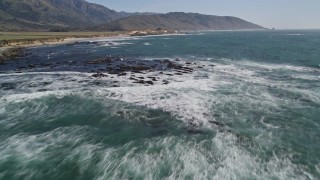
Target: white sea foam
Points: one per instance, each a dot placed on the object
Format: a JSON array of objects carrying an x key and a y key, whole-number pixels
[
  {"x": 43, "y": 73},
  {"x": 117, "y": 38},
  {"x": 115, "y": 44},
  {"x": 217, "y": 158},
  {"x": 35, "y": 95},
  {"x": 307, "y": 77},
  {"x": 279, "y": 66},
  {"x": 268, "y": 125},
  {"x": 294, "y": 34},
  {"x": 175, "y": 98},
  {"x": 190, "y": 94},
  {"x": 2, "y": 110}
]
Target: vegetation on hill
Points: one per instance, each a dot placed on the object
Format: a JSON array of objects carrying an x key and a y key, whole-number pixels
[
  {"x": 79, "y": 15},
  {"x": 26, "y": 38},
  {"x": 179, "y": 21},
  {"x": 57, "y": 15}
]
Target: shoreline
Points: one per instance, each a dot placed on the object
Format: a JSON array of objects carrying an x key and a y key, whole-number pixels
[
  {"x": 44, "y": 42},
  {"x": 19, "y": 44},
  {"x": 30, "y": 39},
  {"x": 51, "y": 40}
]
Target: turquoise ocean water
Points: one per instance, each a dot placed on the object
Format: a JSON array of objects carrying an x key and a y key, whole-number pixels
[{"x": 250, "y": 110}]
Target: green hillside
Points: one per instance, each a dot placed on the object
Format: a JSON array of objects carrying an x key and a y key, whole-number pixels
[
  {"x": 180, "y": 21},
  {"x": 52, "y": 14},
  {"x": 77, "y": 15}
]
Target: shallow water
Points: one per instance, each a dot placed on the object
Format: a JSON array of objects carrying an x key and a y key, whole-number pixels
[{"x": 250, "y": 110}]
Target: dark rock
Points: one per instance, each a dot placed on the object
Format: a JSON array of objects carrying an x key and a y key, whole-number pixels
[
  {"x": 149, "y": 82},
  {"x": 139, "y": 81},
  {"x": 46, "y": 64},
  {"x": 217, "y": 123},
  {"x": 83, "y": 81},
  {"x": 205, "y": 114},
  {"x": 99, "y": 75},
  {"x": 187, "y": 69},
  {"x": 165, "y": 82},
  {"x": 117, "y": 65},
  {"x": 137, "y": 72},
  {"x": 31, "y": 66},
  {"x": 12, "y": 53},
  {"x": 122, "y": 74},
  {"x": 152, "y": 78},
  {"x": 171, "y": 64},
  {"x": 144, "y": 82},
  {"x": 46, "y": 83},
  {"x": 100, "y": 60}
]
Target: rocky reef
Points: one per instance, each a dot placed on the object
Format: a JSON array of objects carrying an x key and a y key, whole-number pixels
[{"x": 11, "y": 53}]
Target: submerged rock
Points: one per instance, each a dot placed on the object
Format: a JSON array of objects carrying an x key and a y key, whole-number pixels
[{"x": 120, "y": 65}]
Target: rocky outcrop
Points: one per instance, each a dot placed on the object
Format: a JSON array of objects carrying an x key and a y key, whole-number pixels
[{"x": 11, "y": 53}]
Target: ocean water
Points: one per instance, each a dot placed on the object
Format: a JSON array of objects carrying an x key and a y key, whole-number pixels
[{"x": 250, "y": 109}]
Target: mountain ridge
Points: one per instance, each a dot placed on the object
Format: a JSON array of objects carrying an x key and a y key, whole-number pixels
[
  {"x": 179, "y": 21},
  {"x": 66, "y": 15},
  {"x": 54, "y": 14}
]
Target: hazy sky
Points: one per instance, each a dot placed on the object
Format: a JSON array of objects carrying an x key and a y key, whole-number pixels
[{"x": 281, "y": 14}]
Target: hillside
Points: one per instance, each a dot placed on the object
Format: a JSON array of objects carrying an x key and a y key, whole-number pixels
[
  {"x": 53, "y": 14},
  {"x": 180, "y": 21},
  {"x": 77, "y": 15}
]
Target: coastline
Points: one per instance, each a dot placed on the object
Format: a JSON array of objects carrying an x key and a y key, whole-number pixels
[
  {"x": 14, "y": 47},
  {"x": 19, "y": 45},
  {"x": 47, "y": 38}
]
